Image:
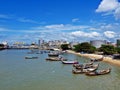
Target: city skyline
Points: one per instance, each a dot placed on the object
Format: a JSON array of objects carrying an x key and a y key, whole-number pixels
[{"x": 69, "y": 20}]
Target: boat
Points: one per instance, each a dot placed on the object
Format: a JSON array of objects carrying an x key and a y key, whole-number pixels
[
  {"x": 27, "y": 57},
  {"x": 53, "y": 54},
  {"x": 76, "y": 71},
  {"x": 56, "y": 59},
  {"x": 39, "y": 52},
  {"x": 81, "y": 71},
  {"x": 63, "y": 59},
  {"x": 53, "y": 59},
  {"x": 99, "y": 72},
  {"x": 84, "y": 70},
  {"x": 69, "y": 62},
  {"x": 83, "y": 65},
  {"x": 88, "y": 66}
]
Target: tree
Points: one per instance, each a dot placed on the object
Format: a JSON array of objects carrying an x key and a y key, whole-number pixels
[
  {"x": 118, "y": 50},
  {"x": 77, "y": 47},
  {"x": 92, "y": 49},
  {"x": 1, "y": 46},
  {"x": 108, "y": 49},
  {"x": 65, "y": 46},
  {"x": 85, "y": 47}
]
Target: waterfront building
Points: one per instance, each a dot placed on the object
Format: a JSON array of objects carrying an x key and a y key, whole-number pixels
[
  {"x": 19, "y": 45},
  {"x": 97, "y": 43},
  {"x": 57, "y": 43},
  {"x": 40, "y": 42},
  {"x": 5, "y": 43},
  {"x": 118, "y": 42}
]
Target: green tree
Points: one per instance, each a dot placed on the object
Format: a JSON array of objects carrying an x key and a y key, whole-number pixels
[
  {"x": 77, "y": 47},
  {"x": 1, "y": 46},
  {"x": 85, "y": 47},
  {"x": 65, "y": 46},
  {"x": 108, "y": 49},
  {"x": 118, "y": 50}
]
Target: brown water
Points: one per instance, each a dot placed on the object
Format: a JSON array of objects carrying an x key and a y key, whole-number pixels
[{"x": 16, "y": 73}]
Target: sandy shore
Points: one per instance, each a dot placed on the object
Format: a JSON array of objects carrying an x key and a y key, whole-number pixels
[{"x": 105, "y": 59}]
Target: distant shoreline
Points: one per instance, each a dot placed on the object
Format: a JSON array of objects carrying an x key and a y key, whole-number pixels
[{"x": 105, "y": 59}]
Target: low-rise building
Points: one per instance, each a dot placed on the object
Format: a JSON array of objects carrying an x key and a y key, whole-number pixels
[{"x": 98, "y": 43}]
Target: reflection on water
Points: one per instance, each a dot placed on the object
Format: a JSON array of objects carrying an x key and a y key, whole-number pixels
[{"x": 18, "y": 73}]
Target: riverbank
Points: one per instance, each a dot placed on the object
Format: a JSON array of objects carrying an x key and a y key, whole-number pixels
[{"x": 105, "y": 59}]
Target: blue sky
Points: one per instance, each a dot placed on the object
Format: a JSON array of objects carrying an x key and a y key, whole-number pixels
[{"x": 80, "y": 20}]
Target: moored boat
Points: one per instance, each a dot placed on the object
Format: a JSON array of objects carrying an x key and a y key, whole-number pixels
[
  {"x": 88, "y": 66},
  {"x": 83, "y": 64},
  {"x": 99, "y": 72},
  {"x": 75, "y": 71},
  {"x": 84, "y": 70},
  {"x": 53, "y": 59},
  {"x": 70, "y": 62},
  {"x": 27, "y": 57},
  {"x": 53, "y": 54},
  {"x": 56, "y": 59}
]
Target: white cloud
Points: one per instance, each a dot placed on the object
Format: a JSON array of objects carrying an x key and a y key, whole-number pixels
[
  {"x": 117, "y": 13},
  {"x": 75, "y": 20},
  {"x": 110, "y": 34},
  {"x": 107, "y": 5},
  {"x": 84, "y": 34},
  {"x": 26, "y": 20},
  {"x": 92, "y": 28},
  {"x": 111, "y": 27},
  {"x": 61, "y": 27},
  {"x": 57, "y": 26},
  {"x": 110, "y": 7},
  {"x": 64, "y": 32}
]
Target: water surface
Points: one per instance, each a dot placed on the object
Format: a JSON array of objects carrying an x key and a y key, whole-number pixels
[{"x": 18, "y": 73}]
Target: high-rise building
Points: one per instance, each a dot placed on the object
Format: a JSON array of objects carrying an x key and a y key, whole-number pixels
[
  {"x": 39, "y": 42},
  {"x": 118, "y": 42}
]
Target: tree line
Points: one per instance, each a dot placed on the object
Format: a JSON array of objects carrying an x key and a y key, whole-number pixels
[
  {"x": 1, "y": 46},
  {"x": 86, "y": 47}
]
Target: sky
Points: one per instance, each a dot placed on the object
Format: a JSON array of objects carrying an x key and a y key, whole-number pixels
[{"x": 70, "y": 20}]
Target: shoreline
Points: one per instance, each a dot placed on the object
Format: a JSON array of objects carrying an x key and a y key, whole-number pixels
[{"x": 105, "y": 59}]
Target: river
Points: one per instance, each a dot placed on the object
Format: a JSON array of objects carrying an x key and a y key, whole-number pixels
[{"x": 18, "y": 73}]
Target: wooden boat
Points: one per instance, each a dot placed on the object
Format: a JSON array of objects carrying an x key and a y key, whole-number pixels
[
  {"x": 84, "y": 70},
  {"x": 76, "y": 71},
  {"x": 96, "y": 60},
  {"x": 83, "y": 65},
  {"x": 99, "y": 72},
  {"x": 27, "y": 57},
  {"x": 56, "y": 59},
  {"x": 69, "y": 62},
  {"x": 53, "y": 54},
  {"x": 63, "y": 59},
  {"x": 95, "y": 66},
  {"x": 39, "y": 52},
  {"x": 53, "y": 59}
]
